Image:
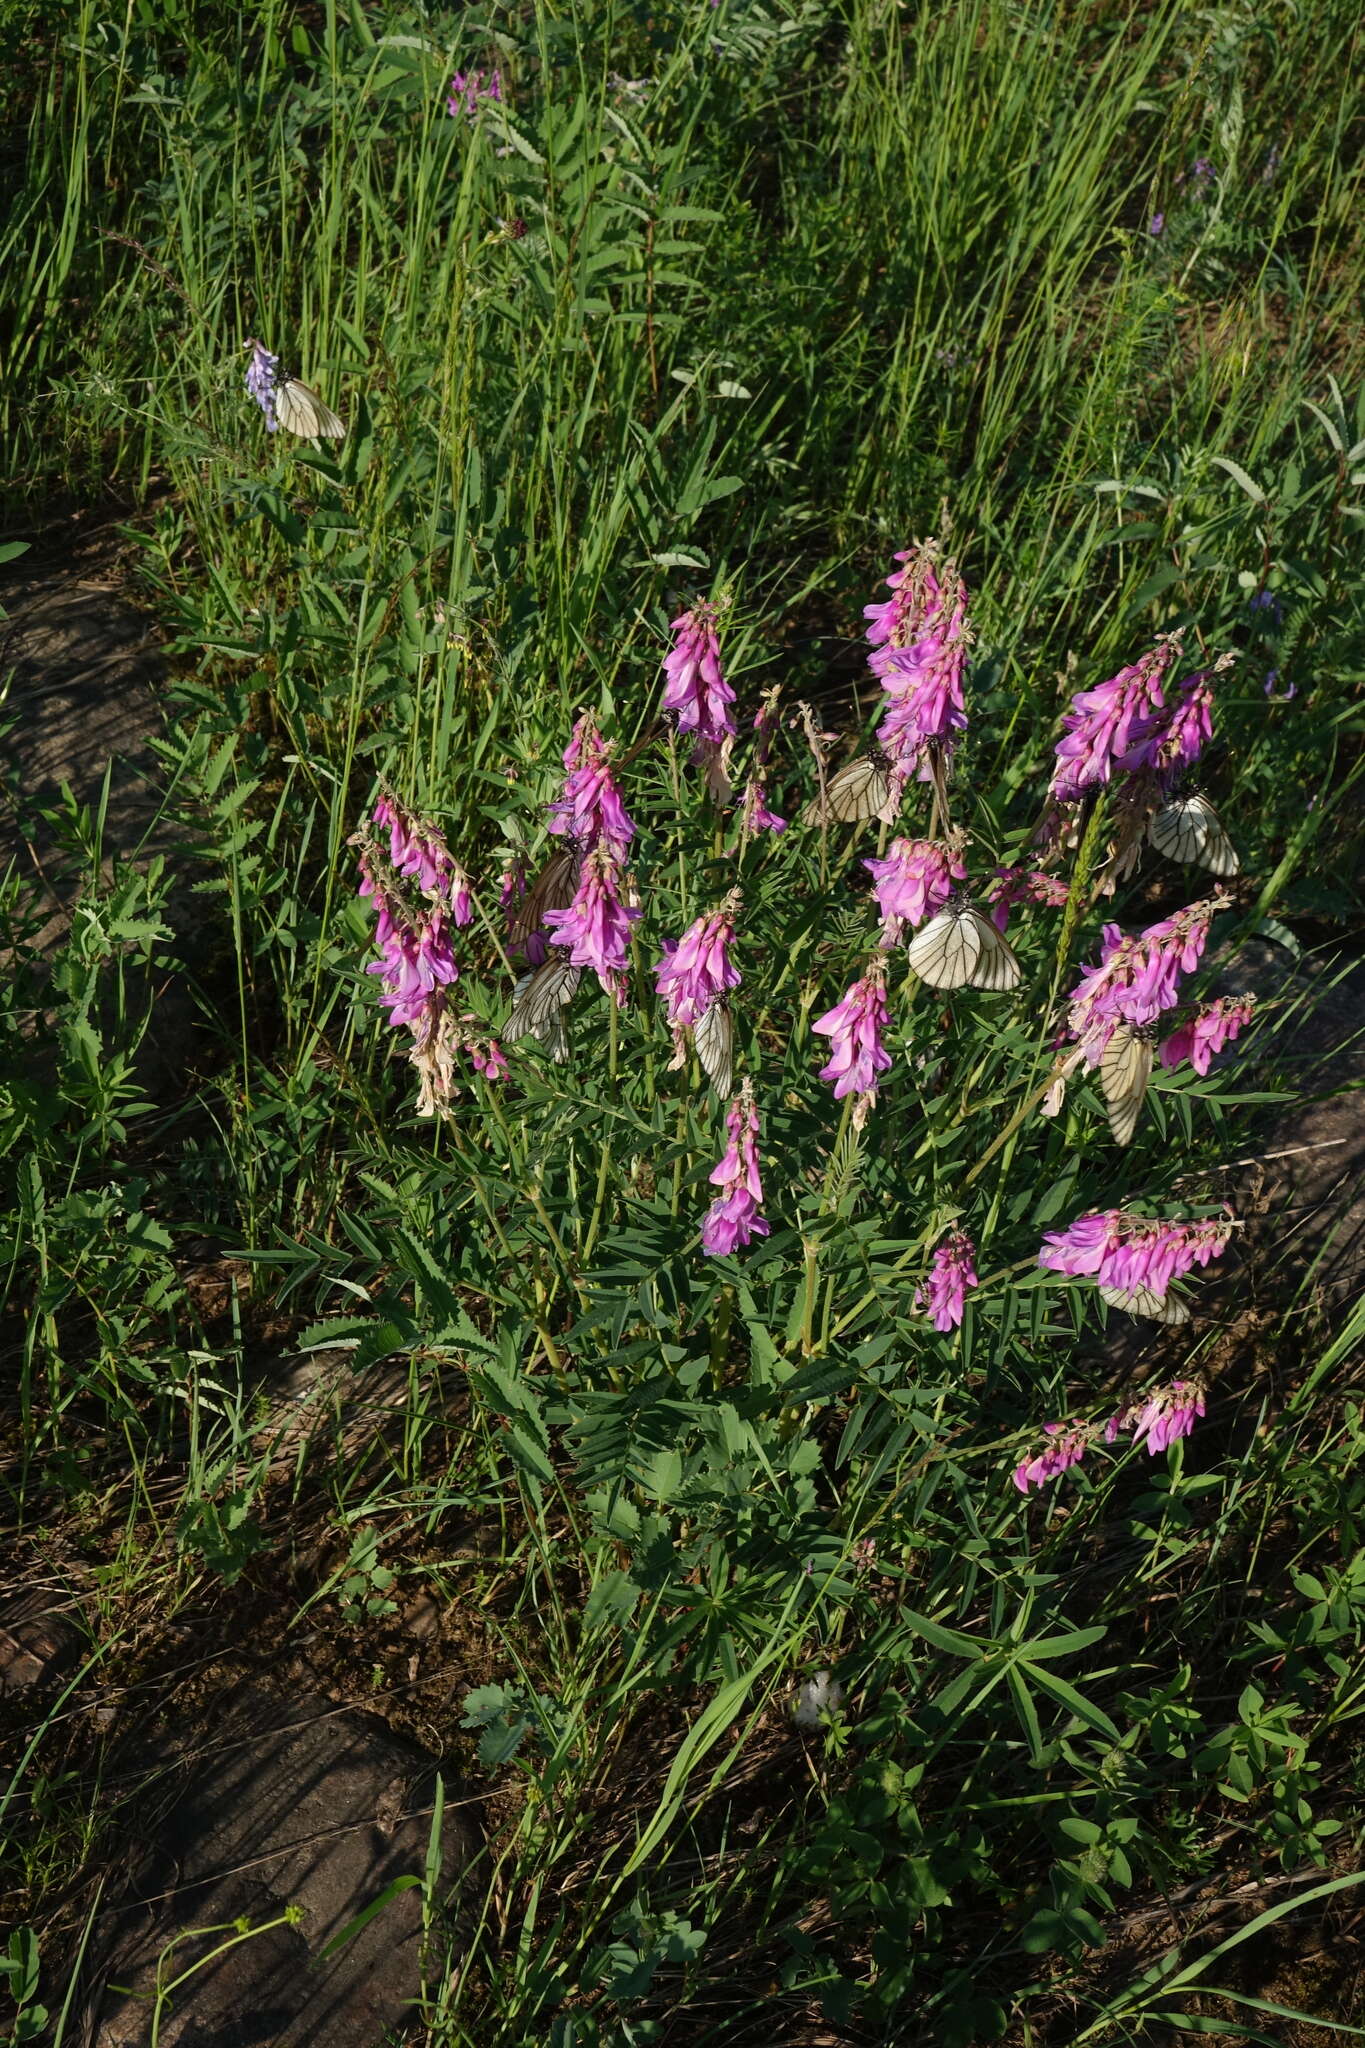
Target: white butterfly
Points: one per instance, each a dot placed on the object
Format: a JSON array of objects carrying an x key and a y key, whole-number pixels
[
  {"x": 538, "y": 1004},
  {"x": 1125, "y": 1070},
  {"x": 300, "y": 411},
  {"x": 1190, "y": 830},
  {"x": 1143, "y": 1301},
  {"x": 552, "y": 889},
  {"x": 860, "y": 790},
  {"x": 962, "y": 949},
  {"x": 714, "y": 1037}
]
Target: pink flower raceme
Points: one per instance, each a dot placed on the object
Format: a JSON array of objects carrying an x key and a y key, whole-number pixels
[
  {"x": 438, "y": 1038},
  {"x": 733, "y": 1218},
  {"x": 468, "y": 90},
  {"x": 1023, "y": 885},
  {"x": 596, "y": 925},
  {"x": 695, "y": 689},
  {"x": 1101, "y": 723},
  {"x": 914, "y": 882},
  {"x": 589, "y": 810},
  {"x": 697, "y": 968},
  {"x": 418, "y": 850},
  {"x": 1067, "y": 1443},
  {"x": 1137, "y": 978},
  {"x": 1124, "y": 1252},
  {"x": 1161, "y": 1417},
  {"x": 1207, "y": 1032},
  {"x": 943, "y": 1295},
  {"x": 856, "y": 1028},
  {"x": 414, "y": 962},
  {"x": 919, "y": 638},
  {"x": 1170, "y": 739}
]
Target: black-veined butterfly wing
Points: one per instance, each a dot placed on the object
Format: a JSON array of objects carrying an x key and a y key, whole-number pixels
[
  {"x": 714, "y": 1038},
  {"x": 552, "y": 889},
  {"x": 945, "y": 953},
  {"x": 300, "y": 411},
  {"x": 1190, "y": 830},
  {"x": 1125, "y": 1070},
  {"x": 538, "y": 1003},
  {"x": 997, "y": 964},
  {"x": 1143, "y": 1301},
  {"x": 858, "y": 791}
]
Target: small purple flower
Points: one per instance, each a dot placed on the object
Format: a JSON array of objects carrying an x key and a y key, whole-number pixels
[
  {"x": 468, "y": 90},
  {"x": 1157, "y": 224},
  {"x": 856, "y": 1028},
  {"x": 943, "y": 1294},
  {"x": 1202, "y": 171},
  {"x": 754, "y": 813},
  {"x": 914, "y": 882},
  {"x": 1267, "y": 601},
  {"x": 596, "y": 925},
  {"x": 1279, "y": 696},
  {"x": 262, "y": 381},
  {"x": 697, "y": 968},
  {"x": 1207, "y": 1032},
  {"x": 734, "y": 1217}
]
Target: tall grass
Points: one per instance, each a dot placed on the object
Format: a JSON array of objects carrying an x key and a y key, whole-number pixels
[{"x": 796, "y": 282}]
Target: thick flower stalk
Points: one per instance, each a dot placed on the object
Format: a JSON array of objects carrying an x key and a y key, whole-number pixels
[
  {"x": 856, "y": 1028},
  {"x": 1067, "y": 1443},
  {"x": 589, "y": 810},
  {"x": 914, "y": 882},
  {"x": 919, "y": 638},
  {"x": 734, "y": 1217},
  {"x": 695, "y": 689},
  {"x": 1122, "y": 1251},
  {"x": 943, "y": 1295},
  {"x": 1101, "y": 723},
  {"x": 697, "y": 968},
  {"x": 262, "y": 381},
  {"x": 1207, "y": 1032},
  {"x": 595, "y": 927}
]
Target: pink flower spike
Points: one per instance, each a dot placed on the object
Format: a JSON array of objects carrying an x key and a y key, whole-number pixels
[
  {"x": 733, "y": 1218},
  {"x": 589, "y": 810},
  {"x": 943, "y": 1294},
  {"x": 1207, "y": 1032},
  {"x": 1138, "y": 978},
  {"x": 1067, "y": 1444},
  {"x": 596, "y": 925},
  {"x": 1167, "y": 1415},
  {"x": 1100, "y": 725},
  {"x": 914, "y": 882},
  {"x": 695, "y": 689},
  {"x": 1122, "y": 1251},
  {"x": 697, "y": 968},
  {"x": 919, "y": 638},
  {"x": 856, "y": 1028}
]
